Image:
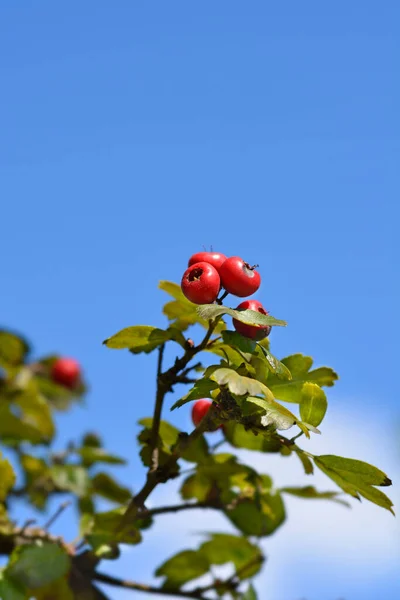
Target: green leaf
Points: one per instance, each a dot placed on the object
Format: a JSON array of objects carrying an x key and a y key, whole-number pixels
[
  {"x": 13, "y": 348},
  {"x": 235, "y": 339},
  {"x": 196, "y": 451},
  {"x": 143, "y": 338},
  {"x": 167, "y": 432},
  {"x": 58, "y": 396},
  {"x": 313, "y": 404},
  {"x": 196, "y": 486},
  {"x": 36, "y": 413},
  {"x": 182, "y": 567},
  {"x": 356, "y": 478},
  {"x": 107, "y": 487},
  {"x": 13, "y": 429},
  {"x": 9, "y": 590},
  {"x": 299, "y": 366},
  {"x": 37, "y": 566},
  {"x": 309, "y": 491},
  {"x": 259, "y": 518},
  {"x": 250, "y": 593},
  {"x": 201, "y": 389},
  {"x": 7, "y": 478},
  {"x": 104, "y": 529},
  {"x": 274, "y": 365},
  {"x": 72, "y": 478},
  {"x": 250, "y": 317},
  {"x": 222, "y": 548},
  {"x": 174, "y": 290},
  {"x": 91, "y": 455},
  {"x": 237, "y": 436},
  {"x": 305, "y": 461},
  {"x": 275, "y": 414},
  {"x": 58, "y": 589},
  {"x": 238, "y": 384}
]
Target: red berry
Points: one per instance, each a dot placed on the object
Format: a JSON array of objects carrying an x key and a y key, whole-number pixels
[
  {"x": 238, "y": 278},
  {"x": 254, "y": 332},
  {"x": 201, "y": 283},
  {"x": 216, "y": 259},
  {"x": 199, "y": 410},
  {"x": 66, "y": 371}
]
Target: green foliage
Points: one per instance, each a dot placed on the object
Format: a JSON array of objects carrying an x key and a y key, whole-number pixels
[
  {"x": 356, "y": 478},
  {"x": 247, "y": 385},
  {"x": 143, "y": 338},
  {"x": 34, "y": 566}
]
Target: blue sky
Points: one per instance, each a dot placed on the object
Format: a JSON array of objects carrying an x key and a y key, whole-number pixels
[{"x": 133, "y": 134}]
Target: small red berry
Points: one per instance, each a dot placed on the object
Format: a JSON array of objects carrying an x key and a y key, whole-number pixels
[
  {"x": 216, "y": 259},
  {"x": 254, "y": 332},
  {"x": 66, "y": 371},
  {"x": 201, "y": 283},
  {"x": 238, "y": 278},
  {"x": 199, "y": 410}
]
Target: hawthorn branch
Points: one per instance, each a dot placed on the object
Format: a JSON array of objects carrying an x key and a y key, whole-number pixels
[
  {"x": 165, "y": 380},
  {"x": 142, "y": 587},
  {"x": 161, "y": 391}
]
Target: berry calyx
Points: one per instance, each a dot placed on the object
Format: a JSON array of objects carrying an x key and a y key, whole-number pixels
[
  {"x": 254, "y": 332},
  {"x": 216, "y": 259},
  {"x": 238, "y": 277},
  {"x": 201, "y": 283},
  {"x": 66, "y": 372}
]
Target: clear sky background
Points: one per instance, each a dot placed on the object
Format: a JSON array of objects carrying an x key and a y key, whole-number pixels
[{"x": 134, "y": 133}]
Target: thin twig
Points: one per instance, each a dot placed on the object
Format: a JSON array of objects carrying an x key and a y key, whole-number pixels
[
  {"x": 142, "y": 587},
  {"x": 161, "y": 391},
  {"x": 58, "y": 512}
]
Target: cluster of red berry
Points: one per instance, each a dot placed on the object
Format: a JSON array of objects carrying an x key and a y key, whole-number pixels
[{"x": 210, "y": 272}]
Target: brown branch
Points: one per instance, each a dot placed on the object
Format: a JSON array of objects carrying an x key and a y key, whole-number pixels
[
  {"x": 161, "y": 391},
  {"x": 178, "y": 507},
  {"x": 142, "y": 587},
  {"x": 165, "y": 381}
]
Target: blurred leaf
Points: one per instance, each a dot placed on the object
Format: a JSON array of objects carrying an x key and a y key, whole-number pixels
[
  {"x": 196, "y": 451},
  {"x": 250, "y": 594},
  {"x": 174, "y": 290},
  {"x": 356, "y": 478},
  {"x": 250, "y": 317},
  {"x": 167, "y": 432},
  {"x": 91, "y": 455},
  {"x": 305, "y": 461},
  {"x": 59, "y": 396},
  {"x": 72, "y": 478},
  {"x": 313, "y": 404},
  {"x": 36, "y": 412},
  {"x": 196, "y": 486},
  {"x": 14, "y": 430},
  {"x": 238, "y": 437},
  {"x": 107, "y": 487},
  {"x": 13, "y": 348},
  {"x": 104, "y": 529},
  {"x": 222, "y": 548},
  {"x": 37, "y": 479},
  {"x": 59, "y": 590},
  {"x": 309, "y": 491},
  {"x": 7, "y": 478},
  {"x": 299, "y": 366},
  {"x": 143, "y": 338},
  {"x": 36, "y": 566},
  {"x": 201, "y": 389},
  {"x": 258, "y": 518},
  {"x": 9, "y": 590},
  {"x": 182, "y": 567}
]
